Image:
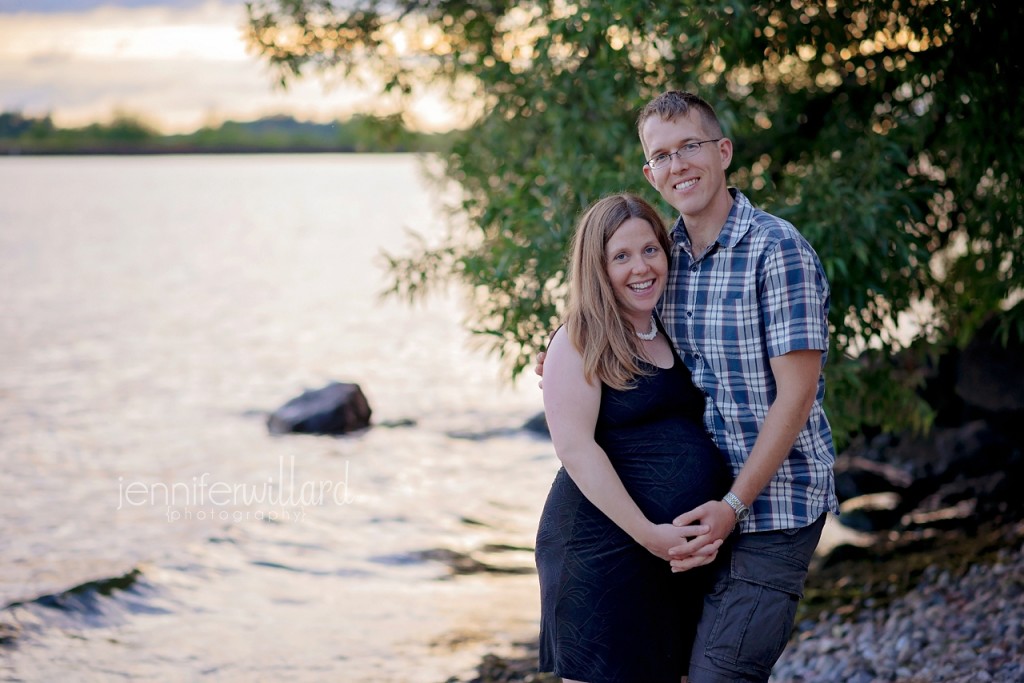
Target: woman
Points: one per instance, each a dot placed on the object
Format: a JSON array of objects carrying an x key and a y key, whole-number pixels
[{"x": 625, "y": 420}]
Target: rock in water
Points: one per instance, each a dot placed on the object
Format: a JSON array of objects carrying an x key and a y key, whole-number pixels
[
  {"x": 538, "y": 424},
  {"x": 338, "y": 408}
]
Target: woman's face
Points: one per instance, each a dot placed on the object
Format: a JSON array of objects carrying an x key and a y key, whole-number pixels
[{"x": 637, "y": 268}]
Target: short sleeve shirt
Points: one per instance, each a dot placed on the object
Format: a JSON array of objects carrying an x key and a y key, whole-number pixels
[{"x": 757, "y": 293}]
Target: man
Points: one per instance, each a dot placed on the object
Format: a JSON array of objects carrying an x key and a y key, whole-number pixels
[{"x": 746, "y": 306}]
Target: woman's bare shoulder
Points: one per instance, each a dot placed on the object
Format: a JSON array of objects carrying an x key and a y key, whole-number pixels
[
  {"x": 564, "y": 364},
  {"x": 560, "y": 348}
]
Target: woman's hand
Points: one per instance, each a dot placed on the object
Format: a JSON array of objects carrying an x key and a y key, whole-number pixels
[
  {"x": 696, "y": 552},
  {"x": 659, "y": 539}
]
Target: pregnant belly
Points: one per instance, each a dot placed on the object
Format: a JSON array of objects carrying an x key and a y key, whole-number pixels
[{"x": 664, "y": 485}]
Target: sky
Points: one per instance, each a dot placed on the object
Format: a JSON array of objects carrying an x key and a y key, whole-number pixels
[{"x": 175, "y": 64}]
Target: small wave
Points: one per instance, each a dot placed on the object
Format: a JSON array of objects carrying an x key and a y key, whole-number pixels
[
  {"x": 458, "y": 563},
  {"x": 306, "y": 570},
  {"x": 93, "y": 604},
  {"x": 483, "y": 435},
  {"x": 84, "y": 596}
]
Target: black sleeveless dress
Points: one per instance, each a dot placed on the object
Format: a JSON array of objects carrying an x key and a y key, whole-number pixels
[{"x": 611, "y": 612}]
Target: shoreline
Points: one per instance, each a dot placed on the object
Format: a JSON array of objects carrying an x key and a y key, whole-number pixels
[{"x": 934, "y": 605}]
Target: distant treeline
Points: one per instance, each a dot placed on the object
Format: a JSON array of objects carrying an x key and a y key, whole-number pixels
[{"x": 125, "y": 135}]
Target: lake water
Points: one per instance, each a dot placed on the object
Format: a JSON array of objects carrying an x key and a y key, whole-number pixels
[{"x": 153, "y": 309}]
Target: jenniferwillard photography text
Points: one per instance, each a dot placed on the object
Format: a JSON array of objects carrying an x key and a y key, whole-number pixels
[{"x": 206, "y": 498}]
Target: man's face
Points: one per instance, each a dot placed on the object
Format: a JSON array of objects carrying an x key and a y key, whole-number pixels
[{"x": 695, "y": 186}]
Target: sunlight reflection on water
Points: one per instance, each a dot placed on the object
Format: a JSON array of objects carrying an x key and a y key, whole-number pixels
[{"x": 154, "y": 307}]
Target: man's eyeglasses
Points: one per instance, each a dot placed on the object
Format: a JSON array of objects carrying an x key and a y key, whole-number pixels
[{"x": 687, "y": 150}]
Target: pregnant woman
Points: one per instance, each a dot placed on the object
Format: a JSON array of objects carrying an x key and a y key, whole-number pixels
[{"x": 625, "y": 420}]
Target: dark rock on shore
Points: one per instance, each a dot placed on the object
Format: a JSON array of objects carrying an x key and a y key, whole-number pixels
[
  {"x": 538, "y": 424},
  {"x": 460, "y": 563},
  {"x": 990, "y": 372},
  {"x": 338, "y": 408},
  {"x": 930, "y": 474},
  {"x": 857, "y": 475},
  {"x": 519, "y": 668},
  {"x": 966, "y": 464}
]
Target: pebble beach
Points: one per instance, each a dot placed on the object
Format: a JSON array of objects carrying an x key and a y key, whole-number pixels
[{"x": 948, "y": 628}]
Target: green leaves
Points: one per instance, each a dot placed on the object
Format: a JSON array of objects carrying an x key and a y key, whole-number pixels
[{"x": 886, "y": 132}]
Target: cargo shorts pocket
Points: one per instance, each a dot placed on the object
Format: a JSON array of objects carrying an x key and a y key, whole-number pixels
[{"x": 757, "y": 600}]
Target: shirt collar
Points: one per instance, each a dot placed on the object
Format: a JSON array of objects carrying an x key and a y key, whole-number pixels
[{"x": 736, "y": 225}]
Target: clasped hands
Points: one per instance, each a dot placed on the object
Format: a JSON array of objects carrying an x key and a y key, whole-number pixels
[{"x": 702, "y": 531}]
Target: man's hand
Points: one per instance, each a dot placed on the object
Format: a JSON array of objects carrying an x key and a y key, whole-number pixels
[
  {"x": 718, "y": 516},
  {"x": 539, "y": 368}
]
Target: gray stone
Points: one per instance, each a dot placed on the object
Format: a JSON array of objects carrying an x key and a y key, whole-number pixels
[
  {"x": 538, "y": 424},
  {"x": 338, "y": 408}
]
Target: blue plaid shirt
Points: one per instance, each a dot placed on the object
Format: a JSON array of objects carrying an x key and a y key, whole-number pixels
[{"x": 757, "y": 293}]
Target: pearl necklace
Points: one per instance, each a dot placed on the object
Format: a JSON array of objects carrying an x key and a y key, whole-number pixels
[{"x": 648, "y": 336}]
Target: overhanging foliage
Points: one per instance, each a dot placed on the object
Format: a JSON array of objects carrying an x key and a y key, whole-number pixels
[{"x": 887, "y": 132}]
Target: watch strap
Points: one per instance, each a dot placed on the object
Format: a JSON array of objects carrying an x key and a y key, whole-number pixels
[{"x": 733, "y": 501}]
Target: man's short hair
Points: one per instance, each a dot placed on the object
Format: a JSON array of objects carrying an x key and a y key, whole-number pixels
[{"x": 673, "y": 104}]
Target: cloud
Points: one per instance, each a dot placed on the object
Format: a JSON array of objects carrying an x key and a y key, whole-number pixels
[
  {"x": 74, "y": 6},
  {"x": 212, "y": 30},
  {"x": 175, "y": 95},
  {"x": 177, "y": 65}
]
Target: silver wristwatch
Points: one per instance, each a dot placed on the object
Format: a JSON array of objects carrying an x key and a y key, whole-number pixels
[{"x": 741, "y": 510}]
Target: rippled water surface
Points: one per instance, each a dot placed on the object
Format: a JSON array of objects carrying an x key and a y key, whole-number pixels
[{"x": 153, "y": 309}]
